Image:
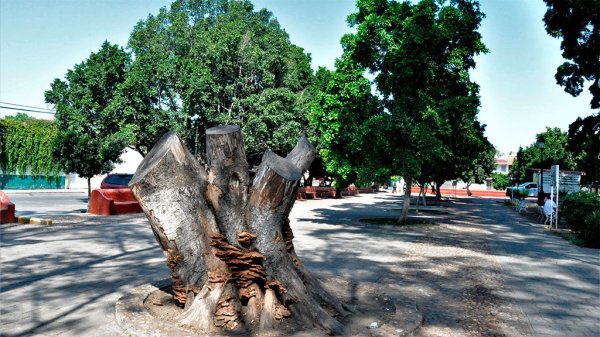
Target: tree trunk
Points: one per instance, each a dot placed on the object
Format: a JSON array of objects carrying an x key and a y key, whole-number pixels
[
  {"x": 468, "y": 190},
  {"x": 406, "y": 201},
  {"x": 438, "y": 192},
  {"x": 227, "y": 239},
  {"x": 89, "y": 183}
]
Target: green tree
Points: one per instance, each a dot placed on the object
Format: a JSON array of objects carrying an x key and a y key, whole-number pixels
[
  {"x": 577, "y": 22},
  {"x": 420, "y": 55},
  {"x": 555, "y": 152},
  {"x": 340, "y": 112},
  {"x": 204, "y": 63},
  {"x": 500, "y": 181},
  {"x": 584, "y": 144},
  {"x": 90, "y": 139},
  {"x": 480, "y": 168}
]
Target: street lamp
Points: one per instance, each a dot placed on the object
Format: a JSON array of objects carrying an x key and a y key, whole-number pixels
[{"x": 541, "y": 180}]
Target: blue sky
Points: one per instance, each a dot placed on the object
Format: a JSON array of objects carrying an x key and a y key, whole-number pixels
[{"x": 41, "y": 39}]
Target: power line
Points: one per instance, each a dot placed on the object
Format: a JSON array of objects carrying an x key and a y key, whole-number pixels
[
  {"x": 27, "y": 110},
  {"x": 25, "y": 106}
]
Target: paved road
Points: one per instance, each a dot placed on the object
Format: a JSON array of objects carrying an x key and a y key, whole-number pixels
[
  {"x": 64, "y": 280},
  {"x": 48, "y": 203}
]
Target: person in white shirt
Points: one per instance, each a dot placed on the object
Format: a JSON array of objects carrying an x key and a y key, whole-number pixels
[{"x": 549, "y": 206}]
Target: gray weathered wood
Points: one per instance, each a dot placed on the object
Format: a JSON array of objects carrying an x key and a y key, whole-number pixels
[{"x": 227, "y": 240}]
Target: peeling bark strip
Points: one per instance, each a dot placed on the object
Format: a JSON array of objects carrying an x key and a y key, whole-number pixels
[{"x": 227, "y": 239}]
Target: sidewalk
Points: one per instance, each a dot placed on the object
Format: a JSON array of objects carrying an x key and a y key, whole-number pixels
[{"x": 556, "y": 284}]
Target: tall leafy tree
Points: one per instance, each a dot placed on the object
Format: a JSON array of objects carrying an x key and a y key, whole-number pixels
[
  {"x": 479, "y": 168},
  {"x": 341, "y": 112},
  {"x": 555, "y": 152},
  {"x": 577, "y": 22},
  {"x": 584, "y": 144},
  {"x": 203, "y": 63},
  {"x": 90, "y": 138},
  {"x": 420, "y": 55}
]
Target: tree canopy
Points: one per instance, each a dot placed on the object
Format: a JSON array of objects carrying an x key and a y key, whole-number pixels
[
  {"x": 420, "y": 56},
  {"x": 204, "y": 63},
  {"x": 577, "y": 22},
  {"x": 90, "y": 139},
  {"x": 584, "y": 144},
  {"x": 555, "y": 151},
  {"x": 341, "y": 112}
]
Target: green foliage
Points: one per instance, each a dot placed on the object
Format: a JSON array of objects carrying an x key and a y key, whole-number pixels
[
  {"x": 421, "y": 55},
  {"x": 204, "y": 63},
  {"x": 576, "y": 207},
  {"x": 340, "y": 112},
  {"x": 481, "y": 167},
  {"x": 555, "y": 151},
  {"x": 518, "y": 169},
  {"x": 520, "y": 194},
  {"x": 27, "y": 143},
  {"x": 90, "y": 138},
  {"x": 584, "y": 143},
  {"x": 578, "y": 24},
  {"x": 500, "y": 181},
  {"x": 591, "y": 231}
]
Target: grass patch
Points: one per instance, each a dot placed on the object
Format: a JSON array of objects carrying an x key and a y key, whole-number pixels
[
  {"x": 571, "y": 237},
  {"x": 394, "y": 222}
]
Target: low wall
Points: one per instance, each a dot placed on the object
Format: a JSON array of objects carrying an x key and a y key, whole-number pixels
[{"x": 30, "y": 182}]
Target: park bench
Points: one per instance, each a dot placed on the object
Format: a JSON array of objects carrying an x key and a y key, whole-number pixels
[
  {"x": 113, "y": 201},
  {"x": 7, "y": 209},
  {"x": 521, "y": 205},
  {"x": 325, "y": 192}
]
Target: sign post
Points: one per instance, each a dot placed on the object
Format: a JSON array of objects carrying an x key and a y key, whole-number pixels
[{"x": 555, "y": 181}]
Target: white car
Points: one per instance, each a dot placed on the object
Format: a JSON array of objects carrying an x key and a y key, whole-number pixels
[{"x": 530, "y": 187}]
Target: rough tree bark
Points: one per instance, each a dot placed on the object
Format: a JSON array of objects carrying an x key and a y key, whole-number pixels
[{"x": 227, "y": 239}]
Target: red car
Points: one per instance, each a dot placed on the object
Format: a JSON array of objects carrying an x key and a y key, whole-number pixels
[{"x": 116, "y": 180}]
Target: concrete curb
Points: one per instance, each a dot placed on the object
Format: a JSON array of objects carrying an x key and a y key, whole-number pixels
[{"x": 34, "y": 221}]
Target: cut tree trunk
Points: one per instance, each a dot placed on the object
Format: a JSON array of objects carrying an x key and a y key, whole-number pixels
[{"x": 227, "y": 239}]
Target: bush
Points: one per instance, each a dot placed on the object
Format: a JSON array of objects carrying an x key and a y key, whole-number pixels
[
  {"x": 591, "y": 231},
  {"x": 520, "y": 194},
  {"x": 576, "y": 207},
  {"x": 500, "y": 181}
]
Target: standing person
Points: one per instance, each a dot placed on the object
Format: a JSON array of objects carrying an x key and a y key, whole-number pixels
[{"x": 395, "y": 187}]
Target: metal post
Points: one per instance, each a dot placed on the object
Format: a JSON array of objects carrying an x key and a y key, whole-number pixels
[{"x": 541, "y": 180}]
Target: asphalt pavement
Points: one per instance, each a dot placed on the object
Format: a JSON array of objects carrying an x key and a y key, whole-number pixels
[
  {"x": 48, "y": 203},
  {"x": 64, "y": 280}
]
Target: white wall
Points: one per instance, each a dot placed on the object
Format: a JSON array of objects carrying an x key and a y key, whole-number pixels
[{"x": 131, "y": 160}]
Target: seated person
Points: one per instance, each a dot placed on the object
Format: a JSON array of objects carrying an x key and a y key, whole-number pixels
[{"x": 549, "y": 206}]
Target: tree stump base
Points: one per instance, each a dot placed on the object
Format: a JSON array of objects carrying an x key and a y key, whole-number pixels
[{"x": 150, "y": 310}]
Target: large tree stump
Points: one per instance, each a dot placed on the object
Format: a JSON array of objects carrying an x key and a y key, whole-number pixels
[{"x": 227, "y": 239}]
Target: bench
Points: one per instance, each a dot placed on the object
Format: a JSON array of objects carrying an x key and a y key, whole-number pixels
[
  {"x": 113, "y": 201},
  {"x": 7, "y": 209},
  {"x": 521, "y": 205}
]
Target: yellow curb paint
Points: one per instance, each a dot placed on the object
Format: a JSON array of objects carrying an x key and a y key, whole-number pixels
[
  {"x": 34, "y": 221},
  {"x": 38, "y": 221}
]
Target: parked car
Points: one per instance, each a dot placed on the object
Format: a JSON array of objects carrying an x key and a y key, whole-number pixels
[
  {"x": 116, "y": 180},
  {"x": 530, "y": 187}
]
